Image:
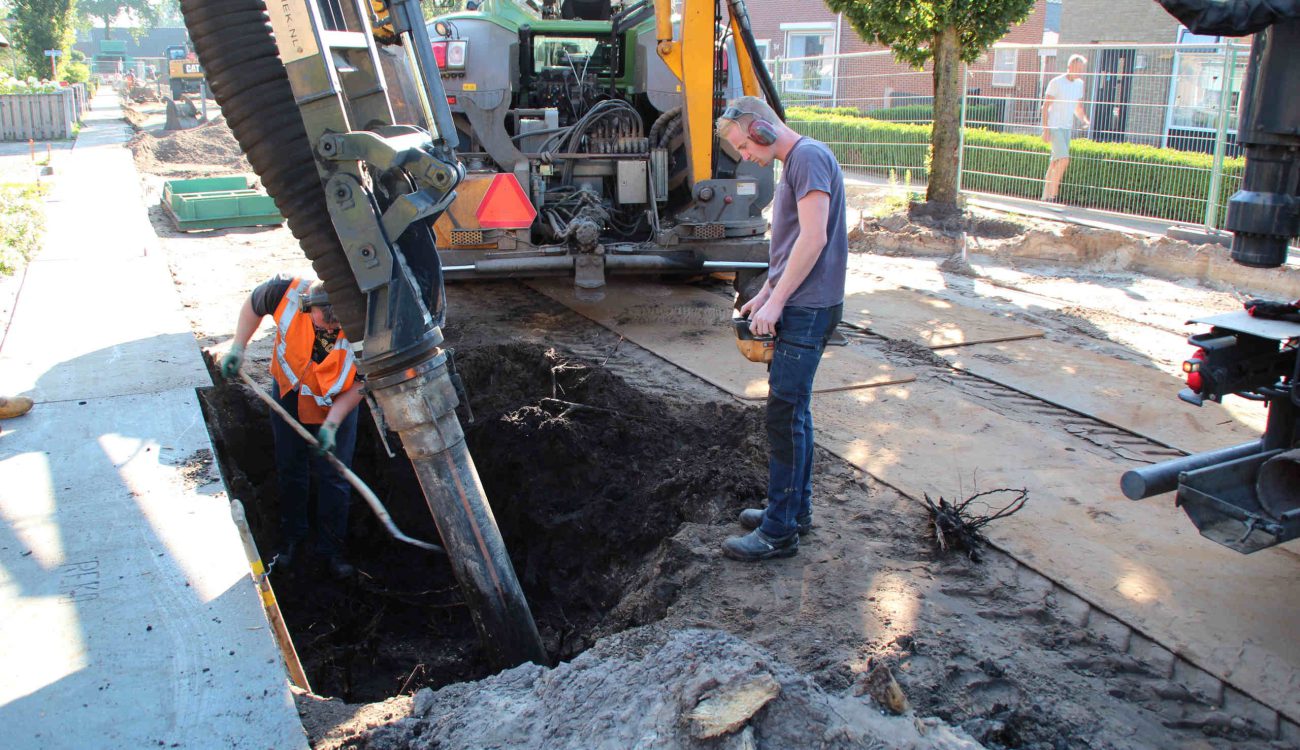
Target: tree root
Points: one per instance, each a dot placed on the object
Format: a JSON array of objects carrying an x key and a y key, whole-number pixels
[{"x": 957, "y": 528}]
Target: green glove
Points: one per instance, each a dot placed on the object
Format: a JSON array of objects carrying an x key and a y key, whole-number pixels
[
  {"x": 327, "y": 438},
  {"x": 231, "y": 362}
]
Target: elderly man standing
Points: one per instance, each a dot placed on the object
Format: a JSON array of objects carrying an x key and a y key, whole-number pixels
[
  {"x": 800, "y": 304},
  {"x": 315, "y": 381},
  {"x": 1062, "y": 102}
]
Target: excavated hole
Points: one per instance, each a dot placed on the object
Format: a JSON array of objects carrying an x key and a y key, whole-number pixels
[{"x": 587, "y": 497}]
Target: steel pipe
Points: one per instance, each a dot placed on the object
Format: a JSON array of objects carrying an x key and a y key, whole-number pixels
[
  {"x": 1139, "y": 484},
  {"x": 419, "y": 404}
]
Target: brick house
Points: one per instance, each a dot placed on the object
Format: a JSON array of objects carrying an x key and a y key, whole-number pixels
[
  {"x": 1158, "y": 96},
  {"x": 807, "y": 28}
]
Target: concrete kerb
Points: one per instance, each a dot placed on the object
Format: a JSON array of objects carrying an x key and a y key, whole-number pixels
[{"x": 102, "y": 507}]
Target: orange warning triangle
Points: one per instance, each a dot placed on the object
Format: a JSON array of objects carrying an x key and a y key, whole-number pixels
[{"x": 505, "y": 205}]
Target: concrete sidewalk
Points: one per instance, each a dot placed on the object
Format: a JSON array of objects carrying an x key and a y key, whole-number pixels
[{"x": 130, "y": 619}]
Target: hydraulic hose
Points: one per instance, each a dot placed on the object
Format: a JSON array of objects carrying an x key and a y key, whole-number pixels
[{"x": 234, "y": 42}]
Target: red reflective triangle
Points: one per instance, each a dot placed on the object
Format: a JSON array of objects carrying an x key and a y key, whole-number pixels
[{"x": 505, "y": 205}]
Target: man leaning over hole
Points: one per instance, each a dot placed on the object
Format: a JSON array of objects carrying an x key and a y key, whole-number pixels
[
  {"x": 800, "y": 304},
  {"x": 316, "y": 382}
]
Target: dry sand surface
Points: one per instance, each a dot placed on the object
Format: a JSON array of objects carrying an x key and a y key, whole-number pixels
[{"x": 613, "y": 515}]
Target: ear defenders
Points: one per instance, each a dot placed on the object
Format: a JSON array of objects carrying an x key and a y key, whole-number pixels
[{"x": 760, "y": 131}]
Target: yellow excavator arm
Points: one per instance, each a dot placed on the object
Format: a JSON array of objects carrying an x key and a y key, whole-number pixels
[{"x": 693, "y": 57}]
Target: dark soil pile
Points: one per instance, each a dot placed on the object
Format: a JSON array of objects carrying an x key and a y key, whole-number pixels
[
  {"x": 207, "y": 148},
  {"x": 587, "y": 477}
]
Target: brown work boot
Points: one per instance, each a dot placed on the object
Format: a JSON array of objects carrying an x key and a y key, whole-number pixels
[{"x": 14, "y": 406}]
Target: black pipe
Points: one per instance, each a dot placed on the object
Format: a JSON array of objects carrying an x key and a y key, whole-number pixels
[
  {"x": 1265, "y": 214},
  {"x": 233, "y": 40},
  {"x": 420, "y": 407},
  {"x": 1139, "y": 484}
]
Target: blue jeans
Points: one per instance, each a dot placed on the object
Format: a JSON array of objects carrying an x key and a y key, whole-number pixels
[
  {"x": 295, "y": 463},
  {"x": 801, "y": 338}
]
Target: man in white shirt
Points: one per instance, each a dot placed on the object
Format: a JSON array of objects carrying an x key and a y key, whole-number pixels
[{"x": 1062, "y": 102}]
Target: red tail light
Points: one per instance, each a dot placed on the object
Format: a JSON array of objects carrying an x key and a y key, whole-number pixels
[
  {"x": 1192, "y": 367},
  {"x": 450, "y": 54}
]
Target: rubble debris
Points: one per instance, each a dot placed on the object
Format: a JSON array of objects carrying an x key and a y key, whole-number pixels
[
  {"x": 879, "y": 683},
  {"x": 955, "y": 527},
  {"x": 726, "y": 708},
  {"x": 642, "y": 684}
]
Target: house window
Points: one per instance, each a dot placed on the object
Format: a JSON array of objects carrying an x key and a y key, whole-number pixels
[
  {"x": 764, "y": 47},
  {"x": 805, "y": 40},
  {"x": 1004, "y": 67}
]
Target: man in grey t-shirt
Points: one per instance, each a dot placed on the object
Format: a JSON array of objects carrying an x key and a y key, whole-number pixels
[
  {"x": 801, "y": 303},
  {"x": 1062, "y": 102}
]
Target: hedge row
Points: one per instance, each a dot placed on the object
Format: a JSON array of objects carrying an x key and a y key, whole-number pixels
[
  {"x": 919, "y": 113},
  {"x": 913, "y": 113},
  {"x": 1123, "y": 177}
]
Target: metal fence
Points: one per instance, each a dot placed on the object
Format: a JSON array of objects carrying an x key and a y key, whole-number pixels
[
  {"x": 1160, "y": 141},
  {"x": 141, "y": 68}
]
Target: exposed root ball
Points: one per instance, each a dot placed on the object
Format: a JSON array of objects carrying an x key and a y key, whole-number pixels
[{"x": 956, "y": 527}]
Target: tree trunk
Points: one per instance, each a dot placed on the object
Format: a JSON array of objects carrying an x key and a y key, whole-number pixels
[
  {"x": 945, "y": 138},
  {"x": 108, "y": 30}
]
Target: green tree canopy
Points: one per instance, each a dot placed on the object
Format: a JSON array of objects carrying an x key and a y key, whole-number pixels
[
  {"x": 946, "y": 32},
  {"x": 144, "y": 13},
  {"x": 41, "y": 25}
]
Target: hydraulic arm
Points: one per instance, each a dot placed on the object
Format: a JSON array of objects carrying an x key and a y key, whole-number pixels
[
  {"x": 310, "y": 107},
  {"x": 1247, "y": 497}
]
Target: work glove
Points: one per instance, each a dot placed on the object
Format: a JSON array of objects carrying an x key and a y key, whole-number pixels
[
  {"x": 231, "y": 363},
  {"x": 326, "y": 438}
]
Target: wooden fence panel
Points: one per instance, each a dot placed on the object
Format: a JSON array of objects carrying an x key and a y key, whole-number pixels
[{"x": 42, "y": 117}]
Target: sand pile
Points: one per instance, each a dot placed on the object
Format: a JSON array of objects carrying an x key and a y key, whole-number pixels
[{"x": 207, "y": 149}]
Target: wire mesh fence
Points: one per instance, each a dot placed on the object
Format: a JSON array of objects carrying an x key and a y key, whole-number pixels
[{"x": 1148, "y": 129}]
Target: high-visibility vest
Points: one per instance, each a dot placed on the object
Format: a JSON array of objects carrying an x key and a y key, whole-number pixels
[{"x": 317, "y": 383}]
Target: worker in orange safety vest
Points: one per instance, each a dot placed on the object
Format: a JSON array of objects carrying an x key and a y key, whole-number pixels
[{"x": 316, "y": 381}]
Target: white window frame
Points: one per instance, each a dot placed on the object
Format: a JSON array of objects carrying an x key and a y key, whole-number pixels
[
  {"x": 764, "y": 49},
  {"x": 1005, "y": 62},
  {"x": 810, "y": 28}
]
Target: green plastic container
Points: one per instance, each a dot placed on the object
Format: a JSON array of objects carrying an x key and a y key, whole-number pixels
[{"x": 218, "y": 203}]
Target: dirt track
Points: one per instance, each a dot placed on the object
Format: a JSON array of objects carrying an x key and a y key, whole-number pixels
[{"x": 613, "y": 515}]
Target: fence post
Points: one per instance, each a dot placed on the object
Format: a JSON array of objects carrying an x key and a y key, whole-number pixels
[
  {"x": 1220, "y": 138},
  {"x": 961, "y": 126}
]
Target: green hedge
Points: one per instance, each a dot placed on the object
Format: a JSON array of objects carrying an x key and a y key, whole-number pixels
[
  {"x": 919, "y": 113},
  {"x": 1128, "y": 178}
]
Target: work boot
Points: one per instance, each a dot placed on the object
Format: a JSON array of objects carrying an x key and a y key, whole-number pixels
[
  {"x": 752, "y": 518},
  {"x": 14, "y": 406},
  {"x": 338, "y": 568},
  {"x": 756, "y": 546}
]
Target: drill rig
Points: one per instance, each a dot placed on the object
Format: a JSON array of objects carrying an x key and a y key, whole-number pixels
[
  {"x": 598, "y": 115},
  {"x": 341, "y": 109},
  {"x": 1247, "y": 497}
]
